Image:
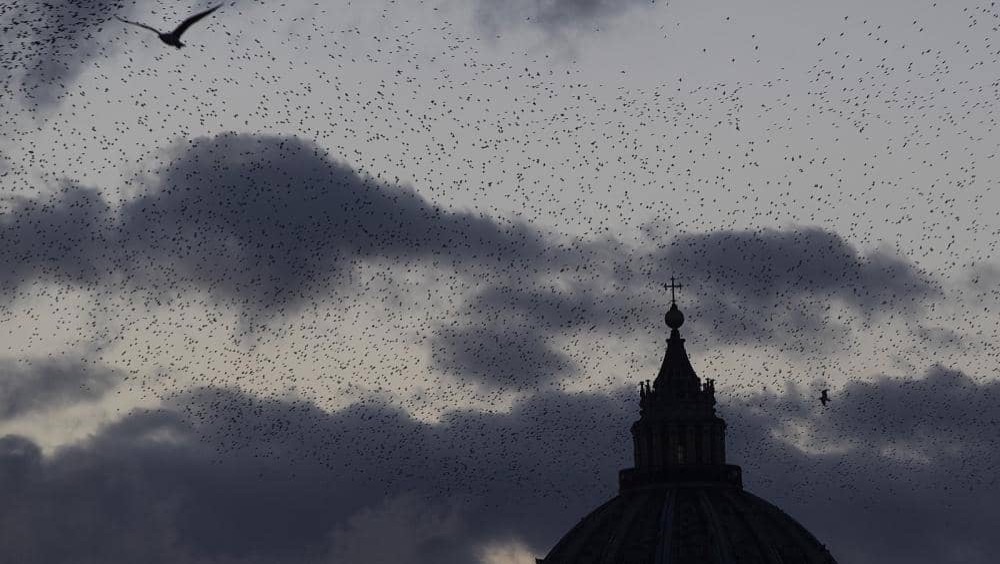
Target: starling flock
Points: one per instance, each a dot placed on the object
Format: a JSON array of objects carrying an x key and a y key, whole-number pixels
[{"x": 406, "y": 212}]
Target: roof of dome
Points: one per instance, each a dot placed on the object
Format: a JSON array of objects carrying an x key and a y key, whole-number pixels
[{"x": 682, "y": 524}]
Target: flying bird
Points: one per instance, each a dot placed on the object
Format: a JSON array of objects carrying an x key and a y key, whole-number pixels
[
  {"x": 174, "y": 37},
  {"x": 824, "y": 398}
]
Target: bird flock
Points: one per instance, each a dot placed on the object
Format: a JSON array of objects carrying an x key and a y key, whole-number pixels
[{"x": 401, "y": 213}]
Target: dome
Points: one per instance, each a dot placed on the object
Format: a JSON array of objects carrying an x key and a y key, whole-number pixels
[
  {"x": 682, "y": 502},
  {"x": 688, "y": 524}
]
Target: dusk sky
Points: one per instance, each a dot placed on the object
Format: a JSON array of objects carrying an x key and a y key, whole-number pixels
[{"x": 364, "y": 282}]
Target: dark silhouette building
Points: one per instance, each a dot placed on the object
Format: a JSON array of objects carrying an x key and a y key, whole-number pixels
[{"x": 682, "y": 503}]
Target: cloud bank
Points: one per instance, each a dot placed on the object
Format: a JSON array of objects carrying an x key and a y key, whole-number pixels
[
  {"x": 263, "y": 223},
  {"x": 47, "y": 44},
  {"x": 898, "y": 471},
  {"x": 45, "y": 384},
  {"x": 551, "y": 15}
]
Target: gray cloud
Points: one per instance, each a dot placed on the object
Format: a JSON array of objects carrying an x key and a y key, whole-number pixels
[
  {"x": 765, "y": 266},
  {"x": 740, "y": 287},
  {"x": 226, "y": 477},
  {"x": 758, "y": 285},
  {"x": 66, "y": 238},
  {"x": 420, "y": 531},
  {"x": 551, "y": 15},
  {"x": 45, "y": 384},
  {"x": 48, "y": 43},
  {"x": 269, "y": 218},
  {"x": 262, "y": 223},
  {"x": 909, "y": 473},
  {"x": 508, "y": 355}
]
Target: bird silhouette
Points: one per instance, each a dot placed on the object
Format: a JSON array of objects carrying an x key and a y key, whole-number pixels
[
  {"x": 824, "y": 398},
  {"x": 174, "y": 37}
]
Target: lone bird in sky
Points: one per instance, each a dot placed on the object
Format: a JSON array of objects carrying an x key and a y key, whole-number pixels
[
  {"x": 174, "y": 37},
  {"x": 824, "y": 398}
]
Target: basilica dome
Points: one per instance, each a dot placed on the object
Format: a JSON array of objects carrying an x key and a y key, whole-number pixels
[
  {"x": 694, "y": 523},
  {"x": 682, "y": 503}
]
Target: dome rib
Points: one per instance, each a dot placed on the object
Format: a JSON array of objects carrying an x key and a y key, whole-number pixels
[
  {"x": 761, "y": 539},
  {"x": 666, "y": 525},
  {"x": 614, "y": 545},
  {"x": 723, "y": 545}
]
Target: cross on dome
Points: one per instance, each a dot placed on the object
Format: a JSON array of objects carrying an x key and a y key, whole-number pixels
[{"x": 672, "y": 287}]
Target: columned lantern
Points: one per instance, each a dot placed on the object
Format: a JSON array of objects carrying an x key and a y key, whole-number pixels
[{"x": 678, "y": 437}]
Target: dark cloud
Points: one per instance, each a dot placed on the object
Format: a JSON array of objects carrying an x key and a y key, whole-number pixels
[
  {"x": 783, "y": 286},
  {"x": 764, "y": 284},
  {"x": 225, "y": 477},
  {"x": 268, "y": 219},
  {"x": 908, "y": 476},
  {"x": 66, "y": 238},
  {"x": 263, "y": 221},
  {"x": 765, "y": 266},
  {"x": 901, "y": 470},
  {"x": 20, "y": 459},
  {"x": 499, "y": 355},
  {"x": 45, "y": 384},
  {"x": 551, "y": 15},
  {"x": 509, "y": 334},
  {"x": 47, "y": 44}
]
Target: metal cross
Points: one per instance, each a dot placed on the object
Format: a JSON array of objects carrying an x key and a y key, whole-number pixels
[{"x": 673, "y": 286}]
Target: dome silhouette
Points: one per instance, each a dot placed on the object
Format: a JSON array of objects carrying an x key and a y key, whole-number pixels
[
  {"x": 689, "y": 524},
  {"x": 682, "y": 503}
]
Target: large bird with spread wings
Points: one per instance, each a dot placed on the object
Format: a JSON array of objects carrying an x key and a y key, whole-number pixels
[
  {"x": 174, "y": 37},
  {"x": 824, "y": 398}
]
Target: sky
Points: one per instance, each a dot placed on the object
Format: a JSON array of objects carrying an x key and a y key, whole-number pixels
[{"x": 341, "y": 272}]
